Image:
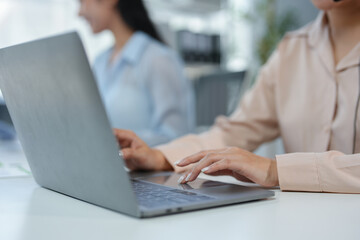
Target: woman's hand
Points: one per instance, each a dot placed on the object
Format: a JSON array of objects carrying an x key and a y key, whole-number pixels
[
  {"x": 243, "y": 165},
  {"x": 138, "y": 155}
]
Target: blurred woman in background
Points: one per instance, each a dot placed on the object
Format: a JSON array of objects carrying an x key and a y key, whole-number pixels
[{"x": 141, "y": 80}]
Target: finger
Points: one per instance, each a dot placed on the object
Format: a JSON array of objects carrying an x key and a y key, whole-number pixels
[
  {"x": 221, "y": 173},
  {"x": 224, "y": 164},
  {"x": 230, "y": 173},
  {"x": 183, "y": 177},
  {"x": 122, "y": 134},
  {"x": 117, "y": 131},
  {"x": 130, "y": 164},
  {"x": 129, "y": 154},
  {"x": 132, "y": 158},
  {"x": 125, "y": 137},
  {"x": 205, "y": 162},
  {"x": 191, "y": 159},
  {"x": 124, "y": 143},
  {"x": 243, "y": 178},
  {"x": 195, "y": 157}
]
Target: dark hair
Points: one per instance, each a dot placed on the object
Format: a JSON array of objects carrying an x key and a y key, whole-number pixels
[{"x": 137, "y": 18}]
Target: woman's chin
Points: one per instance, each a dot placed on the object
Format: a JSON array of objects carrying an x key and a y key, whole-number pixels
[{"x": 96, "y": 30}]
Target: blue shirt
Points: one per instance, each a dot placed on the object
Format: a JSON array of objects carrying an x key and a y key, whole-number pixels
[{"x": 144, "y": 90}]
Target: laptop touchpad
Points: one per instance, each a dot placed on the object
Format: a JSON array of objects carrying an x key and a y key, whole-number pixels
[{"x": 172, "y": 181}]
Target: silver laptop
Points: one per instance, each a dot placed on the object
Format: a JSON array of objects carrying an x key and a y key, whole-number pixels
[{"x": 55, "y": 105}]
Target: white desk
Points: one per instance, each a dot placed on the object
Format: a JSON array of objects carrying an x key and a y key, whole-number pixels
[{"x": 30, "y": 212}]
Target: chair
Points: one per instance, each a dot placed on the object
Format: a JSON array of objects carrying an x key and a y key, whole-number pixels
[
  {"x": 216, "y": 94},
  {"x": 7, "y": 131}
]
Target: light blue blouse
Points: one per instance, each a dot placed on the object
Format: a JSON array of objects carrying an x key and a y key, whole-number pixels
[{"x": 145, "y": 90}]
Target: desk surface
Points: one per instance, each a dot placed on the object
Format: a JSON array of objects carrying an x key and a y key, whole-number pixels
[{"x": 28, "y": 211}]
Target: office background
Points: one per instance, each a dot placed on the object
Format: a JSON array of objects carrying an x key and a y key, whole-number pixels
[{"x": 217, "y": 39}]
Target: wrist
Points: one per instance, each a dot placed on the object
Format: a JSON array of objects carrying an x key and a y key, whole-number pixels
[
  {"x": 274, "y": 178},
  {"x": 162, "y": 163}
]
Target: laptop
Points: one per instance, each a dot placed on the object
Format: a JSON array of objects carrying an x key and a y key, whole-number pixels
[{"x": 55, "y": 105}]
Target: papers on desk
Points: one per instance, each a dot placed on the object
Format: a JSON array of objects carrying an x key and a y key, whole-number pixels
[
  {"x": 14, "y": 169},
  {"x": 12, "y": 160},
  {"x": 1, "y": 98}
]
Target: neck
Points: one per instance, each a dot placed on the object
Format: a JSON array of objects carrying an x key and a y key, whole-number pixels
[
  {"x": 344, "y": 29},
  {"x": 121, "y": 32},
  {"x": 344, "y": 20}
]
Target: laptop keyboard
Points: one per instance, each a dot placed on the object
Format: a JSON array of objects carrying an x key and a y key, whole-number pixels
[{"x": 151, "y": 195}]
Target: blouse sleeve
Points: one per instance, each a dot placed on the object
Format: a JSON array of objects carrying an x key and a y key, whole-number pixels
[{"x": 330, "y": 171}]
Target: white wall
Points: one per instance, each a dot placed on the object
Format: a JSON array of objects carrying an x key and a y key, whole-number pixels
[{"x": 25, "y": 20}]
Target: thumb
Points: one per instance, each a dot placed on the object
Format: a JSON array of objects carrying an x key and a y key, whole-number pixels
[
  {"x": 127, "y": 157},
  {"x": 130, "y": 154}
]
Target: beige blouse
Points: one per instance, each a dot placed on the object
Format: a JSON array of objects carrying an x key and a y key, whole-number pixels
[{"x": 304, "y": 98}]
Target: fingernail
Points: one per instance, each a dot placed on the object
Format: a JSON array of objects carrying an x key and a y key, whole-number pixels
[
  {"x": 188, "y": 177},
  {"x": 121, "y": 154},
  {"x": 205, "y": 169},
  {"x": 181, "y": 179},
  {"x": 177, "y": 162}
]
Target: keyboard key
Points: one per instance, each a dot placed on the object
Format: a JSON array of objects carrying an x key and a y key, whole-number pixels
[{"x": 152, "y": 195}]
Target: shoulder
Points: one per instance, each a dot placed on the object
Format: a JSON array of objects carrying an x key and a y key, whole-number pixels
[
  {"x": 293, "y": 47},
  {"x": 302, "y": 32},
  {"x": 296, "y": 40},
  {"x": 158, "y": 53},
  {"x": 162, "y": 64},
  {"x": 291, "y": 51}
]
